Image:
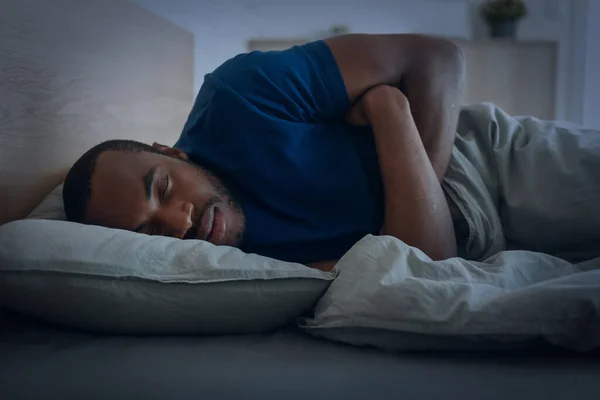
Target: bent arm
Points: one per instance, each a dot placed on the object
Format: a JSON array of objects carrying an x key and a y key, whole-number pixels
[
  {"x": 430, "y": 72},
  {"x": 416, "y": 210}
]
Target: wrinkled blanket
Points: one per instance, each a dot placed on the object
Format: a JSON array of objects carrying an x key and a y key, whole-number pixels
[
  {"x": 386, "y": 289},
  {"x": 528, "y": 267}
]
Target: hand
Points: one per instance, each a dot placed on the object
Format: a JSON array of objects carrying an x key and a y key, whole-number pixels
[{"x": 323, "y": 265}]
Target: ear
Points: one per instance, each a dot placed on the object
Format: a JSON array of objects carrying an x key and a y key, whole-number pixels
[{"x": 173, "y": 152}]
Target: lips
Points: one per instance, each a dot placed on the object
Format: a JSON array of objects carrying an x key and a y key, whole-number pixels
[
  {"x": 206, "y": 224},
  {"x": 219, "y": 227}
]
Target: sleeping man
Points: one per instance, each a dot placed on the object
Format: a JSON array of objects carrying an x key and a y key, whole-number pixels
[{"x": 298, "y": 154}]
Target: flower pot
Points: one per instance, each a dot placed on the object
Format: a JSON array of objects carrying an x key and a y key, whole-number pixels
[{"x": 503, "y": 29}]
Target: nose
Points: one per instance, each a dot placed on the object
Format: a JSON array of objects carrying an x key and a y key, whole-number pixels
[{"x": 177, "y": 219}]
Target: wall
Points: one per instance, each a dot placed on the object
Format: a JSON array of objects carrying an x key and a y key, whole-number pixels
[
  {"x": 591, "y": 83},
  {"x": 222, "y": 28},
  {"x": 546, "y": 20}
]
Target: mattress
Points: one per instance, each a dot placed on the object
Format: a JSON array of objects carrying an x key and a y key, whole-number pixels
[{"x": 38, "y": 361}]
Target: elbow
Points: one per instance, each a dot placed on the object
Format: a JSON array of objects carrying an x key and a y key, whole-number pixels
[
  {"x": 455, "y": 53},
  {"x": 438, "y": 57},
  {"x": 443, "y": 52},
  {"x": 447, "y": 50},
  {"x": 449, "y": 55},
  {"x": 459, "y": 60},
  {"x": 453, "y": 57}
]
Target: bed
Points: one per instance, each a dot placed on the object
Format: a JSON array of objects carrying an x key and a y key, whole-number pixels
[
  {"x": 42, "y": 362},
  {"x": 75, "y": 73}
]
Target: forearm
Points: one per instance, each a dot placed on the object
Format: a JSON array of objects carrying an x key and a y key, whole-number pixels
[
  {"x": 416, "y": 210},
  {"x": 429, "y": 71}
]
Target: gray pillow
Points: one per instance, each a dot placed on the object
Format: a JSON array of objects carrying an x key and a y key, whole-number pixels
[{"x": 114, "y": 281}]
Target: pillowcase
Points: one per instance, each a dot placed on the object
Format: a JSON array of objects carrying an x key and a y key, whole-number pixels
[
  {"x": 114, "y": 281},
  {"x": 51, "y": 207}
]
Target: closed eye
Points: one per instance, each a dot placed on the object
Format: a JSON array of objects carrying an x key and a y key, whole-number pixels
[{"x": 165, "y": 189}]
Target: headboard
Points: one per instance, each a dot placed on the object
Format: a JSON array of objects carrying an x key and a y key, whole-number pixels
[{"x": 74, "y": 73}]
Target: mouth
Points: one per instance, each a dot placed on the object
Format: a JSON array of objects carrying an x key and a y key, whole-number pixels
[
  {"x": 212, "y": 226},
  {"x": 219, "y": 227}
]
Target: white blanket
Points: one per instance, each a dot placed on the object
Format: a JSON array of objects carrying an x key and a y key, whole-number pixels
[
  {"x": 386, "y": 289},
  {"x": 520, "y": 184}
]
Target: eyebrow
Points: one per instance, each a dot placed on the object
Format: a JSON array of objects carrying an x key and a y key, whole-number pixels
[{"x": 148, "y": 183}]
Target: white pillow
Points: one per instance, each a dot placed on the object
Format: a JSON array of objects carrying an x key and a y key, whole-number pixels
[
  {"x": 116, "y": 281},
  {"x": 51, "y": 207}
]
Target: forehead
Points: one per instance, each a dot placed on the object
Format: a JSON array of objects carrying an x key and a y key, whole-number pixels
[
  {"x": 118, "y": 196},
  {"x": 125, "y": 163}
]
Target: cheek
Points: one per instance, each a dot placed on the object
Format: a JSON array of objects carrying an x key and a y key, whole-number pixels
[{"x": 194, "y": 184}]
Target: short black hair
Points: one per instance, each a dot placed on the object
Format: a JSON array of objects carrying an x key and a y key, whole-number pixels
[{"x": 77, "y": 187}]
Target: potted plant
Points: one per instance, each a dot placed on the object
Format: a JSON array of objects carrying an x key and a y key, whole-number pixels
[{"x": 503, "y": 17}]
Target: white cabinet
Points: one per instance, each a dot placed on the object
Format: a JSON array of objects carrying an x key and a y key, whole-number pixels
[{"x": 518, "y": 76}]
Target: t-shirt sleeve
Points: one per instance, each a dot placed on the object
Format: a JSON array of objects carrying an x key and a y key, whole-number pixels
[{"x": 301, "y": 84}]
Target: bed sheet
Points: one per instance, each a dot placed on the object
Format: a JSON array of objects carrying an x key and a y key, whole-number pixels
[{"x": 42, "y": 362}]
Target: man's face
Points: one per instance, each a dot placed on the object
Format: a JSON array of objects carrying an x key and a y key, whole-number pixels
[{"x": 161, "y": 195}]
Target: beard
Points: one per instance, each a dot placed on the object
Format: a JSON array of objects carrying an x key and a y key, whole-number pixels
[{"x": 223, "y": 196}]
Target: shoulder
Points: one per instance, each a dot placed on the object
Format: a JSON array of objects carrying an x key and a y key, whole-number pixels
[{"x": 270, "y": 67}]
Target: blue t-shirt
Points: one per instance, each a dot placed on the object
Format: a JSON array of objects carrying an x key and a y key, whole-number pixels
[{"x": 270, "y": 124}]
